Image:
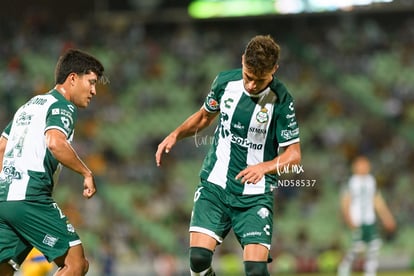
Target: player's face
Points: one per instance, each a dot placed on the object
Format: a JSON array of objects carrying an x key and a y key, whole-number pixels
[
  {"x": 85, "y": 89},
  {"x": 253, "y": 83},
  {"x": 361, "y": 166}
]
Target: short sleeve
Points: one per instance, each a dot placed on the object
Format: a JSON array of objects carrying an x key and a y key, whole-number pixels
[
  {"x": 212, "y": 101},
  {"x": 6, "y": 131},
  {"x": 287, "y": 125},
  {"x": 61, "y": 116}
]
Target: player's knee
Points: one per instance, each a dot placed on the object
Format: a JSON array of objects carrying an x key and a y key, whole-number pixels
[
  {"x": 200, "y": 259},
  {"x": 256, "y": 268}
]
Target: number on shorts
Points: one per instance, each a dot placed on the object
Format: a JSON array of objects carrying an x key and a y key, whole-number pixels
[
  {"x": 60, "y": 211},
  {"x": 197, "y": 194}
]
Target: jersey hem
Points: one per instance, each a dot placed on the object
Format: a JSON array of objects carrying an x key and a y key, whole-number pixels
[{"x": 207, "y": 232}]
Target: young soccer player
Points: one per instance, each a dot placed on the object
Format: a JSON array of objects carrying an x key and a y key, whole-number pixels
[
  {"x": 361, "y": 203},
  {"x": 33, "y": 147},
  {"x": 257, "y": 135}
]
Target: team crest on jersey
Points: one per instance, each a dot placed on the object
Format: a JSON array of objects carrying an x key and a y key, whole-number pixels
[
  {"x": 263, "y": 213},
  {"x": 262, "y": 116}
]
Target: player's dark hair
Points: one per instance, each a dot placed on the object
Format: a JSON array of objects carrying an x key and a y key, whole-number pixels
[
  {"x": 261, "y": 54},
  {"x": 79, "y": 62}
]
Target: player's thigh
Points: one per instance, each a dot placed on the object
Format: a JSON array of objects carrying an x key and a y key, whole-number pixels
[
  {"x": 46, "y": 227},
  {"x": 8, "y": 242},
  {"x": 254, "y": 223},
  {"x": 255, "y": 253},
  {"x": 210, "y": 214},
  {"x": 12, "y": 245},
  {"x": 198, "y": 239}
]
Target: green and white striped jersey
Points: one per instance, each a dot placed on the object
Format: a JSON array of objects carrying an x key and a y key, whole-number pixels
[
  {"x": 251, "y": 129},
  {"x": 29, "y": 169},
  {"x": 362, "y": 190}
]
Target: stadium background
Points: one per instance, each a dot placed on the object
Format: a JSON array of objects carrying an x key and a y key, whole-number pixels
[{"x": 351, "y": 73}]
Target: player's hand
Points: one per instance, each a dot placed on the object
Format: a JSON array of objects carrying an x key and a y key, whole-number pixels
[
  {"x": 251, "y": 174},
  {"x": 390, "y": 226},
  {"x": 89, "y": 187},
  {"x": 165, "y": 147}
]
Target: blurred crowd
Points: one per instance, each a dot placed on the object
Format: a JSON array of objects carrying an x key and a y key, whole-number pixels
[{"x": 351, "y": 76}]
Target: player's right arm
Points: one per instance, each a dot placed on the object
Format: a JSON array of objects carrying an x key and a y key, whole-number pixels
[
  {"x": 346, "y": 209},
  {"x": 193, "y": 124},
  {"x": 62, "y": 150}
]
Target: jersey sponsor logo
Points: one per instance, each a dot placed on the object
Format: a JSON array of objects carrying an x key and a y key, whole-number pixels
[
  {"x": 238, "y": 125},
  {"x": 257, "y": 130},
  {"x": 223, "y": 131},
  {"x": 244, "y": 142},
  {"x": 292, "y": 124},
  {"x": 251, "y": 234},
  {"x": 289, "y": 134},
  {"x": 10, "y": 173},
  {"x": 71, "y": 107},
  {"x": 55, "y": 111},
  {"x": 262, "y": 116},
  {"x": 227, "y": 102},
  {"x": 50, "y": 240},
  {"x": 23, "y": 119},
  {"x": 290, "y": 116},
  {"x": 65, "y": 113}
]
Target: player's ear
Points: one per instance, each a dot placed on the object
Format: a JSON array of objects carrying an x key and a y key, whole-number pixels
[
  {"x": 71, "y": 78},
  {"x": 275, "y": 68}
]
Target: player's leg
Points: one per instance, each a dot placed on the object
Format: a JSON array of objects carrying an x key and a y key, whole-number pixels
[
  {"x": 73, "y": 262},
  {"x": 12, "y": 264},
  {"x": 201, "y": 251},
  {"x": 371, "y": 258},
  {"x": 208, "y": 227},
  {"x": 61, "y": 244},
  {"x": 345, "y": 267},
  {"x": 6, "y": 269},
  {"x": 13, "y": 248},
  {"x": 255, "y": 258},
  {"x": 253, "y": 227}
]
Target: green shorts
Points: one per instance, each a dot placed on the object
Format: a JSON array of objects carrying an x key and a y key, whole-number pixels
[
  {"x": 365, "y": 233},
  {"x": 25, "y": 224},
  {"x": 216, "y": 211}
]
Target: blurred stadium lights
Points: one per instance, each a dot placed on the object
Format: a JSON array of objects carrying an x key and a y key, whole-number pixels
[
  {"x": 226, "y": 8},
  {"x": 166, "y": 11}
]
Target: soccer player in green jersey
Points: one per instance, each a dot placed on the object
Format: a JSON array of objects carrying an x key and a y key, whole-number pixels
[
  {"x": 361, "y": 202},
  {"x": 33, "y": 147},
  {"x": 257, "y": 136}
]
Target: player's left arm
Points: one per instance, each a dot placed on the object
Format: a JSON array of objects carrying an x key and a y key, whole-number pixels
[
  {"x": 384, "y": 213},
  {"x": 254, "y": 173}
]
